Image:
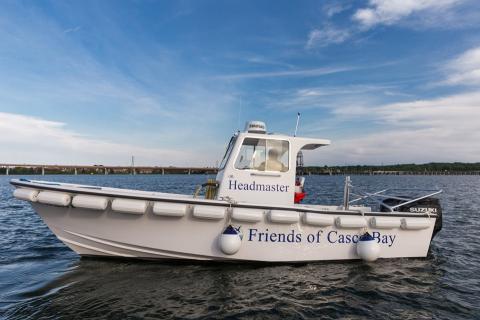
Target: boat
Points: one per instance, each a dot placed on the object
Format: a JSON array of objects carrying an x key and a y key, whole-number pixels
[{"x": 253, "y": 211}]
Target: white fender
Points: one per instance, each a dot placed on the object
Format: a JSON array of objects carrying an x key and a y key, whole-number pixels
[
  {"x": 318, "y": 219},
  {"x": 367, "y": 248},
  {"x": 26, "y": 194},
  {"x": 169, "y": 209},
  {"x": 230, "y": 241},
  {"x": 90, "y": 202},
  {"x": 54, "y": 198},
  {"x": 385, "y": 222},
  {"x": 416, "y": 223},
  {"x": 129, "y": 206},
  {"x": 247, "y": 215},
  {"x": 209, "y": 212},
  {"x": 284, "y": 216},
  {"x": 350, "y": 222}
]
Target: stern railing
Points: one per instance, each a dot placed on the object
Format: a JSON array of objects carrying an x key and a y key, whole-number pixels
[{"x": 380, "y": 196}]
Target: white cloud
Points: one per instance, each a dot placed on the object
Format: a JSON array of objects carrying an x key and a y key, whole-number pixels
[
  {"x": 327, "y": 36},
  {"x": 26, "y": 139},
  {"x": 336, "y": 98},
  {"x": 391, "y": 11},
  {"x": 465, "y": 69},
  {"x": 415, "y": 14},
  {"x": 332, "y": 9},
  {"x": 266, "y": 61},
  {"x": 343, "y": 90},
  {"x": 442, "y": 129},
  {"x": 289, "y": 73},
  {"x": 69, "y": 30}
]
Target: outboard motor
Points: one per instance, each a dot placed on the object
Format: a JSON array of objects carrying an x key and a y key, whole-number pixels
[{"x": 427, "y": 206}]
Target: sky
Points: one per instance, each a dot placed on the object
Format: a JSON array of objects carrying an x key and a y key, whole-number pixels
[{"x": 95, "y": 82}]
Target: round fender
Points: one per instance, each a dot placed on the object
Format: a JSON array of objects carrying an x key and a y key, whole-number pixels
[
  {"x": 367, "y": 248},
  {"x": 230, "y": 241}
]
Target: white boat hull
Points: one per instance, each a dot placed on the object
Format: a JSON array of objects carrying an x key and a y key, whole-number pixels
[{"x": 151, "y": 236}]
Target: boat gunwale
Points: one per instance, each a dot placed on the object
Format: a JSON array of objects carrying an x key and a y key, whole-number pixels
[{"x": 54, "y": 186}]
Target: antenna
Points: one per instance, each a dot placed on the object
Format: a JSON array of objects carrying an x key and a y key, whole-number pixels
[
  {"x": 239, "y": 114},
  {"x": 296, "y": 127}
]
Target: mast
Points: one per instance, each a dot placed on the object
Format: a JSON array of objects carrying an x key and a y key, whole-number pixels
[{"x": 296, "y": 126}]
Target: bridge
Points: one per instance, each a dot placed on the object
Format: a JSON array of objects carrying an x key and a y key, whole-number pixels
[{"x": 15, "y": 168}]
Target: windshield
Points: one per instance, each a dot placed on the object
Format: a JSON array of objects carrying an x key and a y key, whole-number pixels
[
  {"x": 263, "y": 155},
  {"x": 227, "y": 152}
]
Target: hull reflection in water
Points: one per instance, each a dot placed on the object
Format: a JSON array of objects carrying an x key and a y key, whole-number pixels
[{"x": 116, "y": 288}]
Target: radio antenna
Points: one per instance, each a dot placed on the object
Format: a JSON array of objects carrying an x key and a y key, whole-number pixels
[
  {"x": 296, "y": 127},
  {"x": 239, "y": 114}
]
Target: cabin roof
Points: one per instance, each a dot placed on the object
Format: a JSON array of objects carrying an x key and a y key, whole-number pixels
[{"x": 301, "y": 142}]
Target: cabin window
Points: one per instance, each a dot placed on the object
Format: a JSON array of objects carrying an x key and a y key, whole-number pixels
[{"x": 263, "y": 155}]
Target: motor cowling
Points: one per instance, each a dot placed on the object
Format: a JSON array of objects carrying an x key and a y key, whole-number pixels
[{"x": 425, "y": 206}]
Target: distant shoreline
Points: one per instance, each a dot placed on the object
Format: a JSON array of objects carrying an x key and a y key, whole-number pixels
[{"x": 434, "y": 168}]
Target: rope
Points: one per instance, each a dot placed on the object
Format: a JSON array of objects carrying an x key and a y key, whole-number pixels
[{"x": 230, "y": 201}]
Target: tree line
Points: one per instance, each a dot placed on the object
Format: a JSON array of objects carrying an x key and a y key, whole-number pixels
[{"x": 433, "y": 167}]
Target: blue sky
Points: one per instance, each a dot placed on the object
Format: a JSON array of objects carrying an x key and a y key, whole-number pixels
[{"x": 169, "y": 81}]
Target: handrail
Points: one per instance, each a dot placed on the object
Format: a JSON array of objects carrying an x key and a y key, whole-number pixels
[
  {"x": 265, "y": 174},
  {"x": 384, "y": 194}
]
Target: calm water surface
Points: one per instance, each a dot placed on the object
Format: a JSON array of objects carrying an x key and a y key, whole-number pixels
[{"x": 42, "y": 278}]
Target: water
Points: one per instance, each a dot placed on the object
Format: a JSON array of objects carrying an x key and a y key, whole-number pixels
[{"x": 42, "y": 278}]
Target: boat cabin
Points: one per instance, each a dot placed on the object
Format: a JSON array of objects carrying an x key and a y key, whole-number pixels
[{"x": 260, "y": 167}]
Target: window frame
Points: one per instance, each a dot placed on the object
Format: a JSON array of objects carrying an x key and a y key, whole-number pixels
[{"x": 228, "y": 152}]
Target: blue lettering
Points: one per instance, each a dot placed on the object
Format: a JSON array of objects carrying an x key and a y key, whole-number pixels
[
  {"x": 310, "y": 238},
  {"x": 254, "y": 186},
  {"x": 273, "y": 237},
  {"x": 328, "y": 236},
  {"x": 332, "y": 237},
  {"x": 392, "y": 239},
  {"x": 298, "y": 237},
  {"x": 251, "y": 233},
  {"x": 260, "y": 234},
  {"x": 291, "y": 236}
]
